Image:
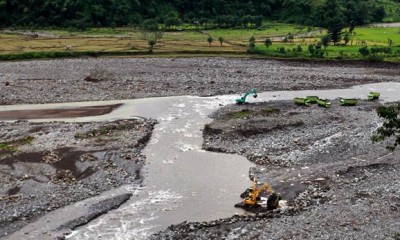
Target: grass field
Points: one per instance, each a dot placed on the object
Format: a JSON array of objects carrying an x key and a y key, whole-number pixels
[
  {"x": 331, "y": 52},
  {"x": 236, "y": 41}
]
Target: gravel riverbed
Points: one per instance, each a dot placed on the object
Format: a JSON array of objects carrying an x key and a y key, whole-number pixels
[
  {"x": 50, "y": 81},
  {"x": 338, "y": 184},
  {"x": 45, "y": 166}
]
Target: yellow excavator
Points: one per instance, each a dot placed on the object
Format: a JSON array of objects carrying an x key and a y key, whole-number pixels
[{"x": 254, "y": 196}]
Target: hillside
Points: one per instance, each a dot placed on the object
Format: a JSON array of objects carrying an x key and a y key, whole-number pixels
[{"x": 219, "y": 13}]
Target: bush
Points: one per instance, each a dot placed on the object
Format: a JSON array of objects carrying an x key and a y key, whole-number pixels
[
  {"x": 364, "y": 51},
  {"x": 375, "y": 58},
  {"x": 385, "y": 50},
  {"x": 316, "y": 51}
]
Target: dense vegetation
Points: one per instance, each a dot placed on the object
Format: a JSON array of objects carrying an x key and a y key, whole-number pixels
[
  {"x": 208, "y": 13},
  {"x": 390, "y": 129}
]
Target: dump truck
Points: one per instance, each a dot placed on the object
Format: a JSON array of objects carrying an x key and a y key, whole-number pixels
[
  {"x": 324, "y": 103},
  {"x": 348, "y": 102},
  {"x": 302, "y": 101},
  {"x": 373, "y": 96},
  {"x": 312, "y": 99}
]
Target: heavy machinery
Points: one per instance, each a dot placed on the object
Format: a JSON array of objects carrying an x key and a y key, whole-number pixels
[
  {"x": 242, "y": 100},
  {"x": 302, "y": 101},
  {"x": 324, "y": 103},
  {"x": 312, "y": 99},
  {"x": 373, "y": 96},
  {"x": 348, "y": 101},
  {"x": 254, "y": 196}
]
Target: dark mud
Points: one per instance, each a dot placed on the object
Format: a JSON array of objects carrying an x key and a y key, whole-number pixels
[{"x": 57, "y": 113}]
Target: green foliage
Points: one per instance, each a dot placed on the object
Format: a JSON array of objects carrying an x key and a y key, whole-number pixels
[
  {"x": 375, "y": 58},
  {"x": 364, "y": 51},
  {"x": 234, "y": 13},
  {"x": 315, "y": 50},
  {"x": 325, "y": 40},
  {"x": 396, "y": 236},
  {"x": 252, "y": 41},
  {"x": 151, "y": 43},
  {"x": 391, "y": 126},
  {"x": 210, "y": 40},
  {"x": 290, "y": 37},
  {"x": 347, "y": 36},
  {"x": 12, "y": 146},
  {"x": 151, "y": 30},
  {"x": 383, "y": 50},
  {"x": 221, "y": 40},
  {"x": 268, "y": 42}
]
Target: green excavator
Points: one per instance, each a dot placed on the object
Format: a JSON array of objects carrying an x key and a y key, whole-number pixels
[{"x": 242, "y": 100}]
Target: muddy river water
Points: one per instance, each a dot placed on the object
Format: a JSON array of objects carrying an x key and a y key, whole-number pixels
[{"x": 182, "y": 182}]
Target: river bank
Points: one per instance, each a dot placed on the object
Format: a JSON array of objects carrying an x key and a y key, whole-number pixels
[
  {"x": 317, "y": 168},
  {"x": 99, "y": 79}
]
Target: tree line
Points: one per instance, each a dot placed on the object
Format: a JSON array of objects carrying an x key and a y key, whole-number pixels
[{"x": 218, "y": 13}]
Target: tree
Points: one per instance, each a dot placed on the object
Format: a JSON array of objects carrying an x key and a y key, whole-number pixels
[
  {"x": 347, "y": 37},
  {"x": 390, "y": 42},
  {"x": 334, "y": 20},
  {"x": 325, "y": 41},
  {"x": 221, "y": 40},
  {"x": 151, "y": 30},
  {"x": 379, "y": 14},
  {"x": 151, "y": 43},
  {"x": 364, "y": 51},
  {"x": 268, "y": 42},
  {"x": 252, "y": 41},
  {"x": 290, "y": 37},
  {"x": 390, "y": 127},
  {"x": 210, "y": 40},
  {"x": 172, "y": 19}
]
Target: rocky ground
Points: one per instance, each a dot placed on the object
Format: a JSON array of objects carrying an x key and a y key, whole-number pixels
[
  {"x": 105, "y": 79},
  {"x": 338, "y": 184},
  {"x": 44, "y": 166}
]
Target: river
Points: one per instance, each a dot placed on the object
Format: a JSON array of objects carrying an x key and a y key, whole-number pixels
[{"x": 182, "y": 182}]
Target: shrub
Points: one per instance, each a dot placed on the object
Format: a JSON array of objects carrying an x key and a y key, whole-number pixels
[
  {"x": 375, "y": 58},
  {"x": 364, "y": 51}
]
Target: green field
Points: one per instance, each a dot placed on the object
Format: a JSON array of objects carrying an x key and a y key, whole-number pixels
[{"x": 125, "y": 41}]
